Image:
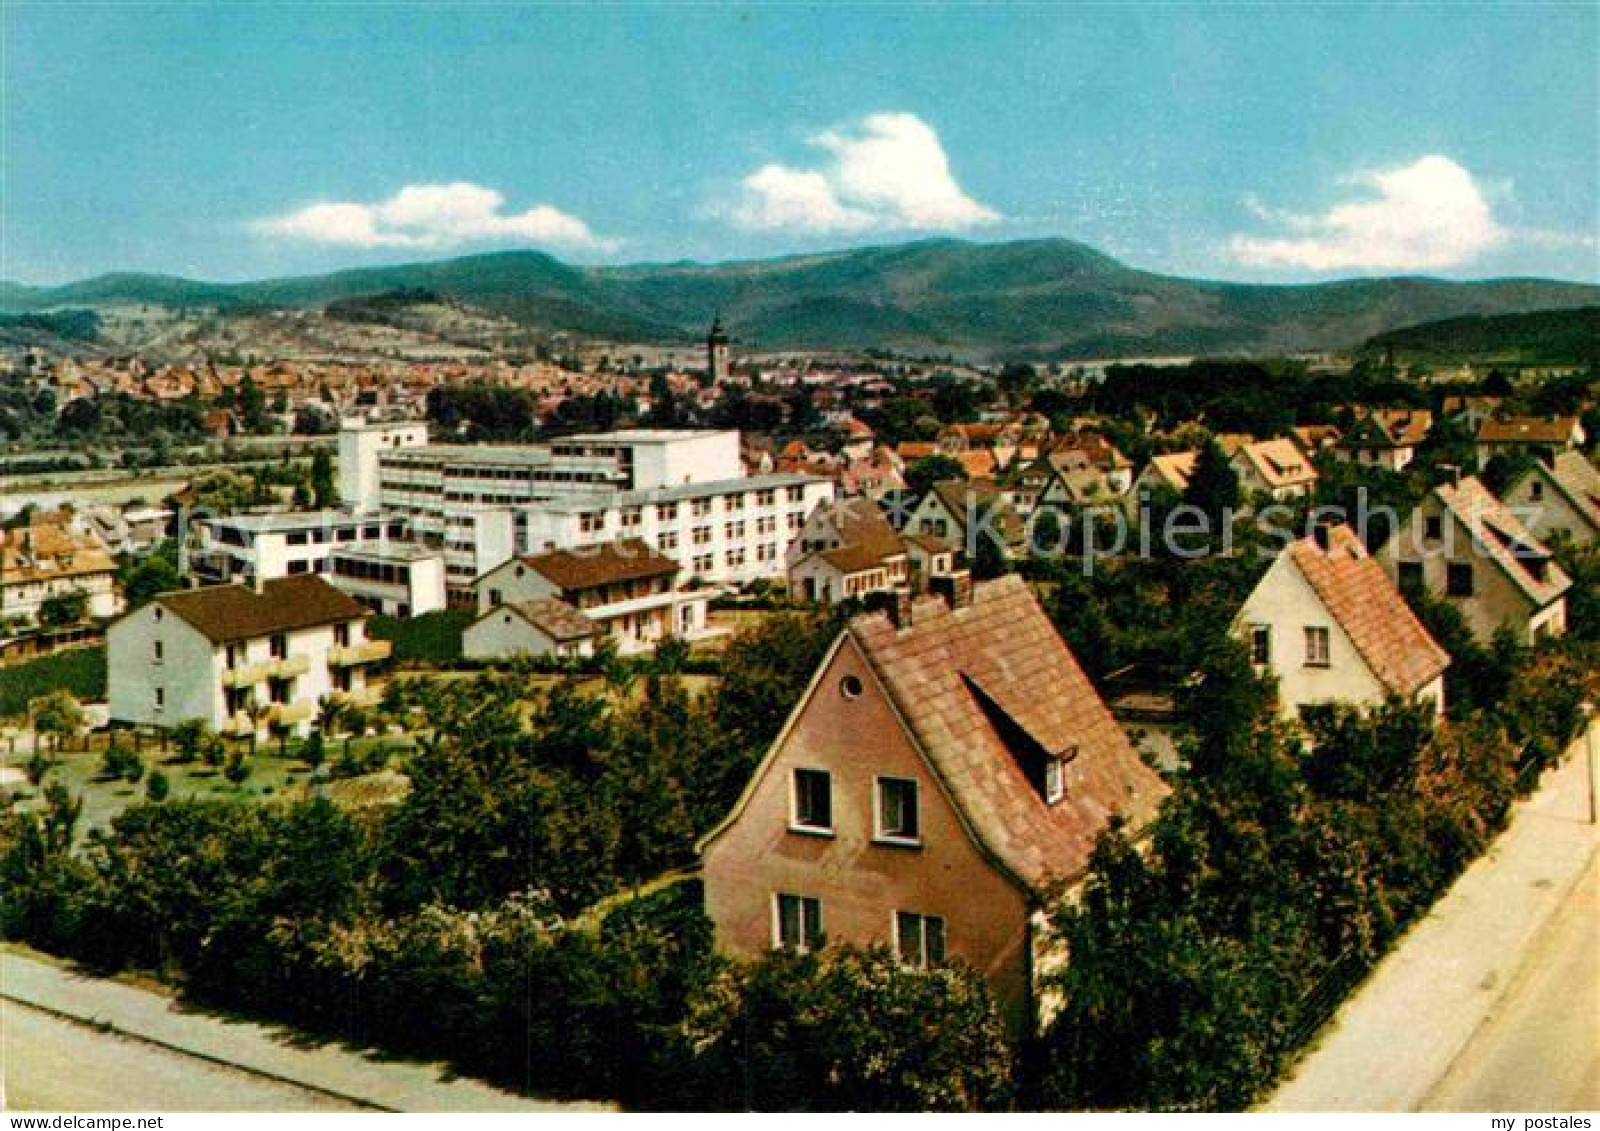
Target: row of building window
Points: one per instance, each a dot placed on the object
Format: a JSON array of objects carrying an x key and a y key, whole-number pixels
[
  {"x": 897, "y": 815},
  {"x": 919, "y": 940}
]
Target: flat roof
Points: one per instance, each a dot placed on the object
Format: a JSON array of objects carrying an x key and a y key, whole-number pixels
[
  {"x": 577, "y": 504},
  {"x": 276, "y": 521},
  {"x": 643, "y": 435},
  {"x": 388, "y": 551}
]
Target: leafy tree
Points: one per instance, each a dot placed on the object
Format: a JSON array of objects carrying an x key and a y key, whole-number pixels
[
  {"x": 1213, "y": 486},
  {"x": 56, "y": 715},
  {"x": 63, "y": 609},
  {"x": 157, "y": 787},
  {"x": 921, "y": 475},
  {"x": 143, "y": 577}
]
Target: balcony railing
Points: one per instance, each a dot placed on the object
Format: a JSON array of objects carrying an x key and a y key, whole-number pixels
[
  {"x": 367, "y": 652},
  {"x": 246, "y": 675},
  {"x": 288, "y": 714},
  {"x": 357, "y": 697},
  {"x": 291, "y": 666}
]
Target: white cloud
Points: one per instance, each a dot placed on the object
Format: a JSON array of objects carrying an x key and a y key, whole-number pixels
[
  {"x": 1428, "y": 215},
  {"x": 887, "y": 171},
  {"x": 432, "y": 217}
]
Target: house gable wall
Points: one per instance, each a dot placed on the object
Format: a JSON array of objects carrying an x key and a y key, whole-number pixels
[{"x": 862, "y": 884}]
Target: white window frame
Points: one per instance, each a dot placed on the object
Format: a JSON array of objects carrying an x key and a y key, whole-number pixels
[
  {"x": 1322, "y": 632},
  {"x": 1261, "y": 633},
  {"x": 1055, "y": 780},
  {"x": 921, "y": 962},
  {"x": 802, "y": 946},
  {"x": 795, "y": 823},
  {"x": 879, "y": 833}
]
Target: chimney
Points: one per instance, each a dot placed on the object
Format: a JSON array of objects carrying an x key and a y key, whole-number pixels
[
  {"x": 954, "y": 587},
  {"x": 258, "y": 583},
  {"x": 900, "y": 611}
]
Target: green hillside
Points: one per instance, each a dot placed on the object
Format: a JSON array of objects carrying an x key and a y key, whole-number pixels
[
  {"x": 1034, "y": 298},
  {"x": 1541, "y": 337}
]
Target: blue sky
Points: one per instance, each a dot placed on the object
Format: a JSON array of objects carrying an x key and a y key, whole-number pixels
[{"x": 1261, "y": 142}]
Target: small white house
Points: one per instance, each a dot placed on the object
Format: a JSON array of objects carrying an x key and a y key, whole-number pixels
[
  {"x": 1331, "y": 628},
  {"x": 545, "y": 627},
  {"x": 245, "y": 660},
  {"x": 1276, "y": 469}
]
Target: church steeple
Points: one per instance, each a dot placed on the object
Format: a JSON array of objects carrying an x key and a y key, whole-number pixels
[{"x": 718, "y": 351}]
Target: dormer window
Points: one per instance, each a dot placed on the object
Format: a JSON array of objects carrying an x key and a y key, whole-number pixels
[{"x": 1055, "y": 780}]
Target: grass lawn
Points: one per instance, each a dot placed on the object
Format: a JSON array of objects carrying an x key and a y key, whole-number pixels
[{"x": 272, "y": 776}]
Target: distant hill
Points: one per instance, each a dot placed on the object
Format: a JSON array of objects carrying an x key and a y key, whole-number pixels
[
  {"x": 1540, "y": 337},
  {"x": 1034, "y": 299}
]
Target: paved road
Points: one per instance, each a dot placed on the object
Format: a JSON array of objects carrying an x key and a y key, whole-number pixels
[
  {"x": 72, "y": 1067},
  {"x": 1540, "y": 1049},
  {"x": 56, "y": 1065},
  {"x": 1414, "y": 1024}
]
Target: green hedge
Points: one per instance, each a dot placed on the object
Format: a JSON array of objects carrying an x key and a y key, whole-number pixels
[
  {"x": 432, "y": 638},
  {"x": 81, "y": 671}
]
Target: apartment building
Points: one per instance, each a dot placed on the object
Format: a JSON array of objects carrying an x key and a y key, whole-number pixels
[
  {"x": 539, "y": 604},
  {"x": 246, "y": 660},
  {"x": 684, "y": 492},
  {"x": 370, "y": 556}
]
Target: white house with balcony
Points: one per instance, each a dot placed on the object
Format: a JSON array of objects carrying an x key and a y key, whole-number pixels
[
  {"x": 243, "y": 659},
  {"x": 534, "y": 605}
]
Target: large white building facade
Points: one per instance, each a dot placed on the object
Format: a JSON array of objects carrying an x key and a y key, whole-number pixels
[
  {"x": 683, "y": 492},
  {"x": 369, "y": 556}
]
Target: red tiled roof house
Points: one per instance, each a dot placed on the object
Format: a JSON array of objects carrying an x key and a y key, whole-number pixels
[{"x": 944, "y": 770}]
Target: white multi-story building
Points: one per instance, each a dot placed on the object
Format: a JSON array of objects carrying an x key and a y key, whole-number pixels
[
  {"x": 45, "y": 561},
  {"x": 359, "y": 444},
  {"x": 405, "y": 578},
  {"x": 684, "y": 492},
  {"x": 243, "y": 659}
]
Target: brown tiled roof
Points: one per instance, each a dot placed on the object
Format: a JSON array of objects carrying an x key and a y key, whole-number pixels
[
  {"x": 1579, "y": 481},
  {"x": 959, "y": 677},
  {"x": 1280, "y": 463},
  {"x": 860, "y": 522},
  {"x": 1499, "y": 535},
  {"x": 1527, "y": 430},
  {"x": 224, "y": 613},
  {"x": 857, "y": 559},
  {"x": 1174, "y": 468},
  {"x": 628, "y": 559},
  {"x": 977, "y": 464},
  {"x": 1313, "y": 437},
  {"x": 556, "y": 619},
  {"x": 1357, "y": 594},
  {"x": 46, "y": 551},
  {"x": 983, "y": 494}
]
